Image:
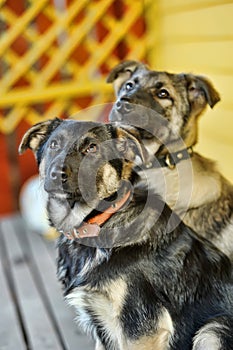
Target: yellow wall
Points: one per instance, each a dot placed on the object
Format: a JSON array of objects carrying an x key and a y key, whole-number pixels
[{"x": 197, "y": 36}]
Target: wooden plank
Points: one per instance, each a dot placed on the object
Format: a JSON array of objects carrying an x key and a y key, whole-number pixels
[
  {"x": 169, "y": 6},
  {"x": 217, "y": 124},
  {"x": 224, "y": 84},
  {"x": 217, "y": 151},
  {"x": 11, "y": 336},
  {"x": 205, "y": 22},
  {"x": 198, "y": 57},
  {"x": 38, "y": 326},
  {"x": 45, "y": 270}
]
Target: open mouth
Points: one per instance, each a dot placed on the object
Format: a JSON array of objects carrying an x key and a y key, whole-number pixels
[{"x": 94, "y": 218}]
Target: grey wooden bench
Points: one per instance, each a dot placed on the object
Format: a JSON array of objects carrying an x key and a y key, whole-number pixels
[{"x": 33, "y": 314}]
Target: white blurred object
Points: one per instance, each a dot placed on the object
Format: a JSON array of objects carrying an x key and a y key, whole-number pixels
[{"x": 32, "y": 201}]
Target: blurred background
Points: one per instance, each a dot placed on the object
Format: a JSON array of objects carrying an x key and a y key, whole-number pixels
[{"x": 55, "y": 56}]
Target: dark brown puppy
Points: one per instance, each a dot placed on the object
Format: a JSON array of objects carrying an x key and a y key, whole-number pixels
[
  {"x": 136, "y": 283},
  {"x": 166, "y": 107}
]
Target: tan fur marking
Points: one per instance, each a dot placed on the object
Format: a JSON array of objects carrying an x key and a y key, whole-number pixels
[
  {"x": 34, "y": 136},
  {"x": 115, "y": 293},
  {"x": 106, "y": 305},
  {"x": 190, "y": 184},
  {"x": 160, "y": 340},
  {"x": 109, "y": 181},
  {"x": 122, "y": 77},
  {"x": 34, "y": 143},
  {"x": 206, "y": 184},
  {"x": 126, "y": 171}
]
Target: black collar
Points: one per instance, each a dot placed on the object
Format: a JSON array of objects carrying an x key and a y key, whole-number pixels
[{"x": 169, "y": 160}]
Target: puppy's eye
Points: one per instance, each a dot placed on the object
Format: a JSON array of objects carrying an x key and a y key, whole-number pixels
[
  {"x": 92, "y": 148},
  {"x": 129, "y": 85},
  {"x": 192, "y": 88},
  {"x": 53, "y": 144},
  {"x": 163, "y": 93}
]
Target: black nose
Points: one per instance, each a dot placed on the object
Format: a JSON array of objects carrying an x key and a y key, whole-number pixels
[
  {"x": 60, "y": 173},
  {"x": 123, "y": 106}
]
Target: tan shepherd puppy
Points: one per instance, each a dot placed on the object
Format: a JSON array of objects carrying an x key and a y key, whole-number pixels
[{"x": 166, "y": 107}]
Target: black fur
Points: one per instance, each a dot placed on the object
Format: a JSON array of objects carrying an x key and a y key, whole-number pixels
[{"x": 162, "y": 264}]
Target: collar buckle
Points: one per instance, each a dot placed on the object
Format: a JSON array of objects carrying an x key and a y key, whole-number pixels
[{"x": 169, "y": 161}]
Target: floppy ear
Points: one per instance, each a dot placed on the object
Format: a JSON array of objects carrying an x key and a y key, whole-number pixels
[
  {"x": 123, "y": 72},
  {"x": 128, "y": 143},
  {"x": 38, "y": 134},
  {"x": 201, "y": 92}
]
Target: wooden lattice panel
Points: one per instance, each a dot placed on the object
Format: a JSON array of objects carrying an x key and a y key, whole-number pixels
[{"x": 54, "y": 55}]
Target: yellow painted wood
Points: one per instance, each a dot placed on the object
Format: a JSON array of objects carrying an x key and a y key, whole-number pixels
[
  {"x": 197, "y": 36},
  {"x": 182, "y": 35},
  {"x": 215, "y": 124},
  {"x": 119, "y": 31},
  {"x": 9, "y": 36},
  {"x": 41, "y": 45},
  {"x": 208, "y": 23},
  {"x": 57, "y": 43},
  {"x": 28, "y": 95},
  {"x": 154, "y": 22},
  {"x": 169, "y": 6},
  {"x": 197, "y": 56},
  {"x": 75, "y": 37},
  {"x": 217, "y": 150}
]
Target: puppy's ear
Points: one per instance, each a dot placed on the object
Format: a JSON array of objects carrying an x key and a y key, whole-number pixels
[
  {"x": 38, "y": 134},
  {"x": 128, "y": 143},
  {"x": 123, "y": 72},
  {"x": 201, "y": 92}
]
